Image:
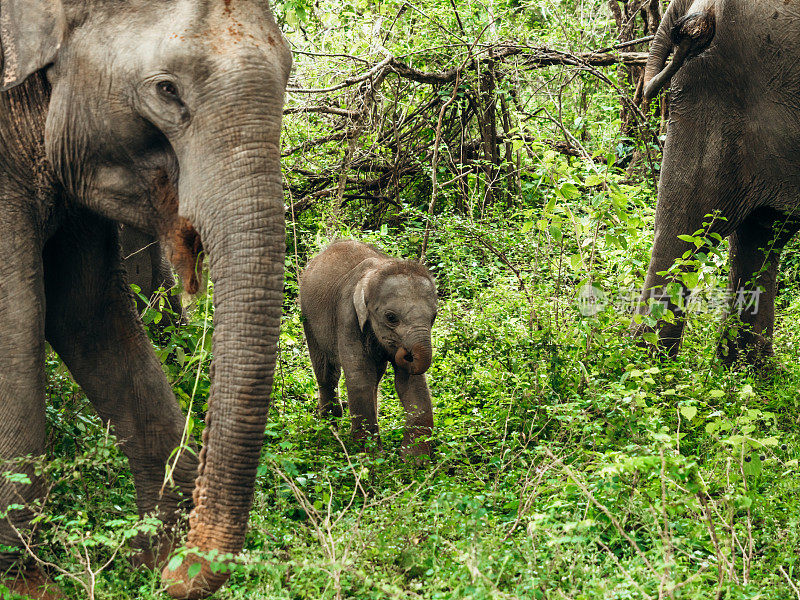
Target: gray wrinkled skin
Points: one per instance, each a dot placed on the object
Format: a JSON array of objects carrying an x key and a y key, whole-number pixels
[
  {"x": 732, "y": 146},
  {"x": 164, "y": 116},
  {"x": 362, "y": 310}
]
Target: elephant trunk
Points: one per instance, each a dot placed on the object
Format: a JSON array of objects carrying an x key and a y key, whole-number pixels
[
  {"x": 415, "y": 354},
  {"x": 230, "y": 189},
  {"x": 687, "y": 27}
]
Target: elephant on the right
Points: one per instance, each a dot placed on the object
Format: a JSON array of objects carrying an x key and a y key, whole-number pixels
[{"x": 732, "y": 151}]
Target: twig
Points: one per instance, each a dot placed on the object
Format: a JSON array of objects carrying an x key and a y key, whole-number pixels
[
  {"x": 628, "y": 44},
  {"x": 532, "y": 57},
  {"x": 347, "y": 82},
  {"x": 721, "y": 560},
  {"x": 791, "y": 583},
  {"x": 667, "y": 538},
  {"x": 436, "y": 143},
  {"x": 327, "y": 110}
]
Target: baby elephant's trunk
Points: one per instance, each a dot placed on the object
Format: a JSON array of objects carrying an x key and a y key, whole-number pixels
[{"x": 415, "y": 360}]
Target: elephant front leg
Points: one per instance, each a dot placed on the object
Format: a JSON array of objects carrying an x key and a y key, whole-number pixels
[
  {"x": 22, "y": 398},
  {"x": 754, "y": 258},
  {"x": 92, "y": 323},
  {"x": 362, "y": 376},
  {"x": 416, "y": 398},
  {"x": 665, "y": 294},
  {"x": 695, "y": 193},
  {"x": 658, "y": 300}
]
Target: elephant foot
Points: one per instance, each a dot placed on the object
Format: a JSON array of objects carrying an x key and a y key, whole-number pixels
[
  {"x": 368, "y": 443},
  {"x": 34, "y": 584},
  {"x": 764, "y": 364},
  {"x": 194, "y": 579},
  {"x": 415, "y": 458},
  {"x": 152, "y": 558},
  {"x": 331, "y": 410},
  {"x": 417, "y": 449},
  {"x": 668, "y": 340}
]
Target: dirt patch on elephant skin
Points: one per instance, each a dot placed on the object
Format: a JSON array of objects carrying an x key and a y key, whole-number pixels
[{"x": 182, "y": 242}]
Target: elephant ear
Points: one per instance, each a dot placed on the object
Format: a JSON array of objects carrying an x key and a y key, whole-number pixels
[
  {"x": 31, "y": 32},
  {"x": 360, "y": 298}
]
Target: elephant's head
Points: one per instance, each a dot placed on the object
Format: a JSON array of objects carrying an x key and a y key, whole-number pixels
[
  {"x": 166, "y": 115},
  {"x": 398, "y": 301}
]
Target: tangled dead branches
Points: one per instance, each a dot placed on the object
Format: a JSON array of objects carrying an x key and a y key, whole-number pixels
[{"x": 370, "y": 136}]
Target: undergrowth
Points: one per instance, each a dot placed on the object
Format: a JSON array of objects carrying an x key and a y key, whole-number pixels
[{"x": 568, "y": 461}]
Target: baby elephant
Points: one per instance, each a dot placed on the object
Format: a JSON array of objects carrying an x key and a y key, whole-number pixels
[{"x": 362, "y": 309}]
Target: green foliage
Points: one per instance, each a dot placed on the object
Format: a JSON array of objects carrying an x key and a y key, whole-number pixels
[
  {"x": 569, "y": 462},
  {"x": 565, "y": 456}
]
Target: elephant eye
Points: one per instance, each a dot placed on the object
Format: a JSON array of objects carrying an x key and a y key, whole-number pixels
[
  {"x": 391, "y": 318},
  {"x": 168, "y": 90}
]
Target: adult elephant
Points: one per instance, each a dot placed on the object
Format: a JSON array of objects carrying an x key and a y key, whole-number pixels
[
  {"x": 165, "y": 116},
  {"x": 147, "y": 267},
  {"x": 732, "y": 150}
]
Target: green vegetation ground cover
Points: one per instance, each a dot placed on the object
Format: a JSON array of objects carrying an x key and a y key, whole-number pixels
[{"x": 569, "y": 461}]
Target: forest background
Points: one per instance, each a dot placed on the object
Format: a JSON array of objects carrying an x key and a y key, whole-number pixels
[{"x": 504, "y": 142}]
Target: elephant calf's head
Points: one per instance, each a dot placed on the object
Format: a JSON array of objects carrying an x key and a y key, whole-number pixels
[{"x": 398, "y": 300}]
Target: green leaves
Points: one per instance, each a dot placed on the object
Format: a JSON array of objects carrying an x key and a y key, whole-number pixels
[
  {"x": 688, "y": 412},
  {"x": 696, "y": 240},
  {"x": 690, "y": 280},
  {"x": 751, "y": 466},
  {"x": 19, "y": 478},
  {"x": 175, "y": 562},
  {"x": 194, "y": 570},
  {"x": 569, "y": 191},
  {"x": 563, "y": 449}
]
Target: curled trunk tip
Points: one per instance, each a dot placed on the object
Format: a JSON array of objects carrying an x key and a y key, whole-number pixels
[
  {"x": 688, "y": 34},
  {"x": 417, "y": 360}
]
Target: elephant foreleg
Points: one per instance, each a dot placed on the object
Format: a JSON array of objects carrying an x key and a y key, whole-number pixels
[
  {"x": 755, "y": 249},
  {"x": 662, "y": 295},
  {"x": 664, "y": 288},
  {"x": 362, "y": 376},
  {"x": 416, "y": 398},
  {"x": 91, "y": 322},
  {"x": 22, "y": 384}
]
